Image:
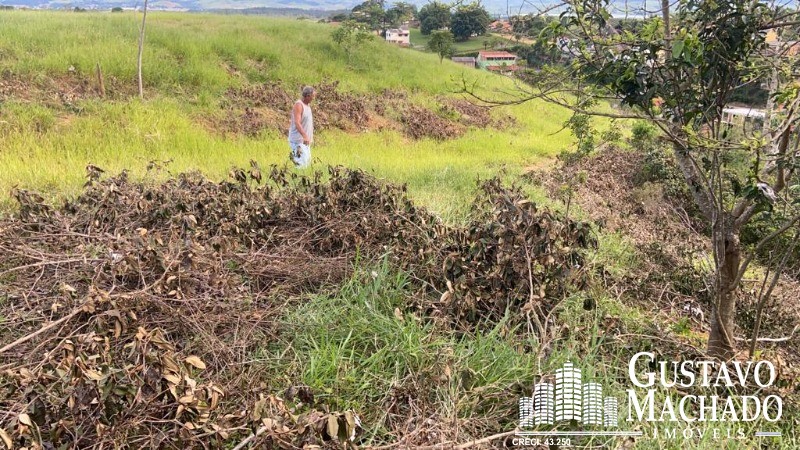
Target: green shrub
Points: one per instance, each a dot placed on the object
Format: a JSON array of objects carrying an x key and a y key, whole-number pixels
[{"x": 658, "y": 164}]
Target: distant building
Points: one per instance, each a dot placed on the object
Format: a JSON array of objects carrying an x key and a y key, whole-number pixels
[
  {"x": 399, "y": 36},
  {"x": 465, "y": 60},
  {"x": 503, "y": 62},
  {"x": 776, "y": 46},
  {"x": 748, "y": 119},
  {"x": 501, "y": 26}
]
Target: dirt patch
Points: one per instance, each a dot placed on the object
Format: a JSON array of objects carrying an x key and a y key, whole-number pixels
[
  {"x": 340, "y": 110},
  {"x": 13, "y": 88},
  {"x": 468, "y": 113},
  {"x": 251, "y": 109},
  {"x": 61, "y": 92},
  {"x": 605, "y": 189}
]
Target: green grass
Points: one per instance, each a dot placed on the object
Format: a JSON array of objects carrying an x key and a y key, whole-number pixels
[
  {"x": 197, "y": 52},
  {"x": 359, "y": 348},
  {"x": 473, "y": 44},
  {"x": 48, "y": 152}
]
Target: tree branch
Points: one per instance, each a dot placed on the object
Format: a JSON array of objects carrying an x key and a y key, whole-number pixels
[{"x": 760, "y": 245}]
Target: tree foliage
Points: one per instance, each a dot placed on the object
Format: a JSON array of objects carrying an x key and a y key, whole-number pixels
[
  {"x": 441, "y": 43},
  {"x": 349, "y": 36},
  {"x": 434, "y": 16},
  {"x": 468, "y": 20},
  {"x": 530, "y": 25},
  {"x": 679, "y": 72},
  {"x": 370, "y": 13},
  {"x": 401, "y": 12}
]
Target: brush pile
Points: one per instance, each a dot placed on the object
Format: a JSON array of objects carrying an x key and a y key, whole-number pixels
[
  {"x": 419, "y": 122},
  {"x": 129, "y": 314},
  {"x": 253, "y": 108}
]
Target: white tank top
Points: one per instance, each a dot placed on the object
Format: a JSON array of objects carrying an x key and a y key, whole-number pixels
[{"x": 306, "y": 121}]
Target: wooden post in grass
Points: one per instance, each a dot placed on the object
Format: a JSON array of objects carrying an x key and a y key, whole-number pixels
[
  {"x": 141, "y": 47},
  {"x": 100, "y": 85}
]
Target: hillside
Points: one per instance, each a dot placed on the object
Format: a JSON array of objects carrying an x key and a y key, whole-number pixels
[{"x": 199, "y": 71}]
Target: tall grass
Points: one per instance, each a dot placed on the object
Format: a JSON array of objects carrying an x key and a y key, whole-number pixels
[{"x": 361, "y": 350}]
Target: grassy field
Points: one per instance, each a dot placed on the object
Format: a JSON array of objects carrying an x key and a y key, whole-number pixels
[
  {"x": 473, "y": 44},
  {"x": 191, "y": 59}
]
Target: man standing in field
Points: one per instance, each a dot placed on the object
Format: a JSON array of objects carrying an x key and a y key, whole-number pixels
[{"x": 301, "y": 129}]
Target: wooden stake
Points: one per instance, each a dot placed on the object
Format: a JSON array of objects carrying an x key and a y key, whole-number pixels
[
  {"x": 100, "y": 84},
  {"x": 141, "y": 47}
]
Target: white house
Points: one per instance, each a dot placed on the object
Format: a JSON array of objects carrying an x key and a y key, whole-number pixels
[
  {"x": 398, "y": 36},
  {"x": 747, "y": 118}
]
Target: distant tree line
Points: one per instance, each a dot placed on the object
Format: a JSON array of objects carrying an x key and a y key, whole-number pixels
[
  {"x": 463, "y": 20},
  {"x": 375, "y": 16}
]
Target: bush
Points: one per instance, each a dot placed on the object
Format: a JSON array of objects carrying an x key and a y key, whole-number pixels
[
  {"x": 764, "y": 225},
  {"x": 658, "y": 165},
  {"x": 643, "y": 136}
]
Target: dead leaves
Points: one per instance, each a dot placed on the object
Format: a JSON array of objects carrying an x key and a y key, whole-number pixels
[
  {"x": 196, "y": 362},
  {"x": 187, "y": 264},
  {"x": 6, "y": 439},
  {"x": 419, "y": 122}
]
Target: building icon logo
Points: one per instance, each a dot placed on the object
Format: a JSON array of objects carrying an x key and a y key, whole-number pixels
[
  {"x": 568, "y": 403},
  {"x": 569, "y": 399}
]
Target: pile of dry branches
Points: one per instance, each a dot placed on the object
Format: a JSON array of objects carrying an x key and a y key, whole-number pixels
[{"x": 129, "y": 313}]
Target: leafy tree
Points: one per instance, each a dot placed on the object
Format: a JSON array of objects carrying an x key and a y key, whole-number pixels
[
  {"x": 401, "y": 12},
  {"x": 441, "y": 43},
  {"x": 468, "y": 20},
  {"x": 434, "y": 16},
  {"x": 538, "y": 54},
  {"x": 371, "y": 13},
  {"x": 530, "y": 25},
  {"x": 116, "y": 9},
  {"x": 350, "y": 35},
  {"x": 678, "y": 72}
]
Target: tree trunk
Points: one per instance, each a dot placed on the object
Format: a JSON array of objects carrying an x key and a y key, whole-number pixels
[
  {"x": 721, "y": 338},
  {"x": 665, "y": 17}
]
